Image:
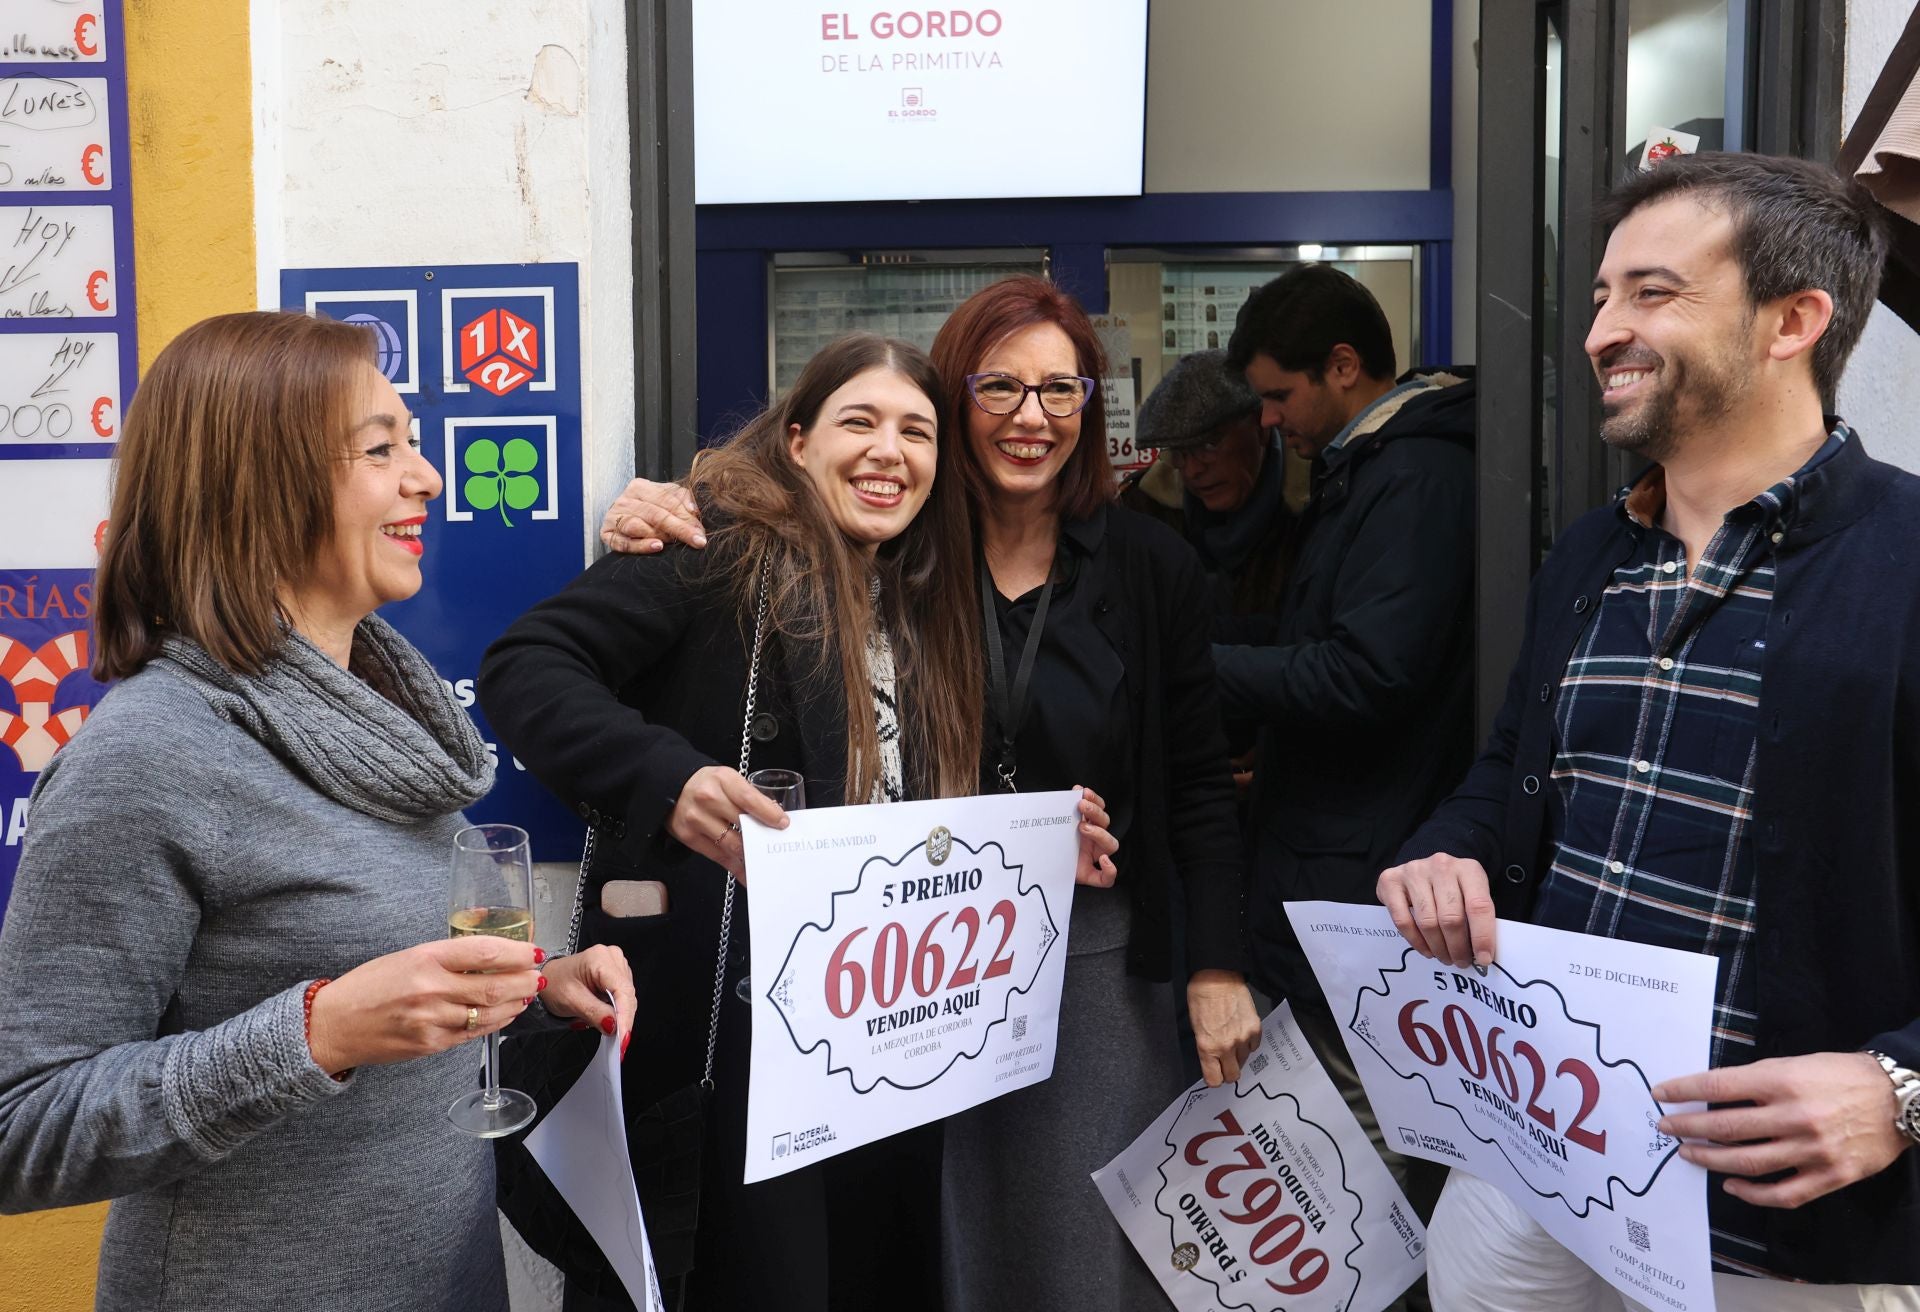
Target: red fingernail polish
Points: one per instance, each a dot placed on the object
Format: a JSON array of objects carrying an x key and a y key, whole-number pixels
[
  {"x": 539, "y": 984},
  {"x": 606, "y": 1024},
  {"x": 539, "y": 956},
  {"x": 623, "y": 1045},
  {"x": 579, "y": 1025}
]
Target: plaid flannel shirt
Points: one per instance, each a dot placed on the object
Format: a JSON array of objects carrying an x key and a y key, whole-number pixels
[{"x": 1656, "y": 734}]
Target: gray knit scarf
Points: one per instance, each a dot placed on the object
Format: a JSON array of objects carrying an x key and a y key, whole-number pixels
[{"x": 387, "y": 739}]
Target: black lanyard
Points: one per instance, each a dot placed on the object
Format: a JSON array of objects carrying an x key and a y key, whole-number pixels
[{"x": 1010, "y": 707}]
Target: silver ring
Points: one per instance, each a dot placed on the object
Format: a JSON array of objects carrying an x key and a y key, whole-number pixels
[{"x": 734, "y": 828}]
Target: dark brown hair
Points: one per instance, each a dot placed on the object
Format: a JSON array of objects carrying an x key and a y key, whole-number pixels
[
  {"x": 223, "y": 486},
  {"x": 986, "y": 319},
  {"x": 1299, "y": 317},
  {"x": 764, "y": 507},
  {"x": 1797, "y": 226}
]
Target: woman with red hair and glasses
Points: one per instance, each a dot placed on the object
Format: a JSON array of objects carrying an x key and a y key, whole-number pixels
[{"x": 1099, "y": 672}]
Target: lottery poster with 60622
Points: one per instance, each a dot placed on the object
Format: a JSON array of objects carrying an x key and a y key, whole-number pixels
[
  {"x": 907, "y": 964},
  {"x": 1265, "y": 1195},
  {"x": 1537, "y": 1076}
]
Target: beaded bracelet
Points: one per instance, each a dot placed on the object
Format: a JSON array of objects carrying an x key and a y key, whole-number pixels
[{"x": 306, "y": 1011}]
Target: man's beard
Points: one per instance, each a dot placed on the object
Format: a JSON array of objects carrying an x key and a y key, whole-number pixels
[
  {"x": 1647, "y": 430},
  {"x": 1683, "y": 398}
]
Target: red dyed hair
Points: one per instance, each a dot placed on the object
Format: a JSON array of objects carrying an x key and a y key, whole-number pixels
[{"x": 989, "y": 317}]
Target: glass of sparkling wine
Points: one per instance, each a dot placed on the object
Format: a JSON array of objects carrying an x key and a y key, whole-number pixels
[
  {"x": 491, "y": 892},
  {"x": 789, "y": 789}
]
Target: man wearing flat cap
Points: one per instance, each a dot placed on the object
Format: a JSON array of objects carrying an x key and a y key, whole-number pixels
[{"x": 1219, "y": 481}]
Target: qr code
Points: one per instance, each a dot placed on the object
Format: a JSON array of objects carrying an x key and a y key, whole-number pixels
[
  {"x": 1638, "y": 1236},
  {"x": 1258, "y": 1064},
  {"x": 1019, "y": 1028}
]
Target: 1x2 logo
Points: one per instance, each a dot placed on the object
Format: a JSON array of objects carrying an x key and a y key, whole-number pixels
[{"x": 499, "y": 351}]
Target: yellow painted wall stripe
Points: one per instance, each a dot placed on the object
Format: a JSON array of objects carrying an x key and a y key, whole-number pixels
[
  {"x": 49, "y": 1259},
  {"x": 190, "y": 117}
]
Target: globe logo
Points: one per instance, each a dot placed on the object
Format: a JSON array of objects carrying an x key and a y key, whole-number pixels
[{"x": 387, "y": 354}]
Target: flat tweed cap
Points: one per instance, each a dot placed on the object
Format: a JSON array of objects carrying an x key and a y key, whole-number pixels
[{"x": 1193, "y": 400}]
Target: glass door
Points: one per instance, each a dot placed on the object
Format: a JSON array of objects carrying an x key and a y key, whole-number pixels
[
  {"x": 816, "y": 296},
  {"x": 1176, "y": 302}
]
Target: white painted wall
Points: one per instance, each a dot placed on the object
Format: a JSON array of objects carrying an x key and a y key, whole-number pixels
[
  {"x": 1881, "y": 391},
  {"x": 456, "y": 132},
  {"x": 1676, "y": 64},
  {"x": 1288, "y": 95}
]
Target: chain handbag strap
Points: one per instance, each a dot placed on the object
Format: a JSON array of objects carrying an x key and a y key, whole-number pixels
[
  {"x": 579, "y": 896},
  {"x": 726, "y": 905},
  {"x": 746, "y": 747}
]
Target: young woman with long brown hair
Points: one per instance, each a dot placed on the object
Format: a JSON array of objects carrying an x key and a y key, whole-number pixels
[{"x": 625, "y": 695}]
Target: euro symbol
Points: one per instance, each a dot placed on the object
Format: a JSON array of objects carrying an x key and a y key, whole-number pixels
[
  {"x": 100, "y": 425},
  {"x": 82, "y": 34},
  {"x": 88, "y": 158},
  {"x": 94, "y": 282}
]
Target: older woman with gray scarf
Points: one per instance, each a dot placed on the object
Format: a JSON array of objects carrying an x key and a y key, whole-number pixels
[{"x": 227, "y": 1000}]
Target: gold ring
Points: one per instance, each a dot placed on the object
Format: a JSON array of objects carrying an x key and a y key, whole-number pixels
[{"x": 473, "y": 1018}]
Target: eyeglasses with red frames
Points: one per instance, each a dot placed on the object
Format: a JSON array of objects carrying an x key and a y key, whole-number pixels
[{"x": 1002, "y": 394}]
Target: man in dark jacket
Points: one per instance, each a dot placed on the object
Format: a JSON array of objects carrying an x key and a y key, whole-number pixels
[
  {"x": 1362, "y": 687},
  {"x": 1362, "y": 683},
  {"x": 1710, "y": 742},
  {"x": 1220, "y": 482}
]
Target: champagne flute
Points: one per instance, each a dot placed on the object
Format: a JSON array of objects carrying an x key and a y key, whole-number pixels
[
  {"x": 789, "y": 789},
  {"x": 491, "y": 892}
]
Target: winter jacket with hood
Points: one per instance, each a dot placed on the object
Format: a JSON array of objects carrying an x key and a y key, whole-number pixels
[{"x": 1363, "y": 692}]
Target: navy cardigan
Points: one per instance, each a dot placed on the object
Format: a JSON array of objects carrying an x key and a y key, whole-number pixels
[{"x": 1836, "y": 810}]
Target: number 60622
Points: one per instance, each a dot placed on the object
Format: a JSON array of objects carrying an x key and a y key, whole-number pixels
[
  {"x": 1280, "y": 1231},
  {"x": 893, "y": 966}
]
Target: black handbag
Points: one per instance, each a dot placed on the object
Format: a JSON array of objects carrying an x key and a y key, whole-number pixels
[{"x": 663, "y": 1141}]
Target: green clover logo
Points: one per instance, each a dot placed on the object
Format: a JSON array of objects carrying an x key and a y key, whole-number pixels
[{"x": 501, "y": 478}]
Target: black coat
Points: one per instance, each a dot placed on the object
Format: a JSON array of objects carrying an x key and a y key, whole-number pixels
[
  {"x": 614, "y": 693},
  {"x": 1364, "y": 695},
  {"x": 1251, "y": 588},
  {"x": 1836, "y": 828},
  {"x": 1151, "y": 604}
]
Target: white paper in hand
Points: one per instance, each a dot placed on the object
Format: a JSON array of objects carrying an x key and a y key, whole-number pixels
[
  {"x": 1266, "y": 1195},
  {"x": 582, "y": 1146},
  {"x": 1538, "y": 1077}
]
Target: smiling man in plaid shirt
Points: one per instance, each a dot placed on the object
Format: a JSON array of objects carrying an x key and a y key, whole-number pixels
[{"x": 1711, "y": 741}]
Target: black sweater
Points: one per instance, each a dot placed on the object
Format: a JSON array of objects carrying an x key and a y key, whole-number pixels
[{"x": 1149, "y": 599}]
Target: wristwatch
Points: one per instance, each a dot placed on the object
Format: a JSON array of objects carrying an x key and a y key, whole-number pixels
[{"x": 1906, "y": 1096}]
